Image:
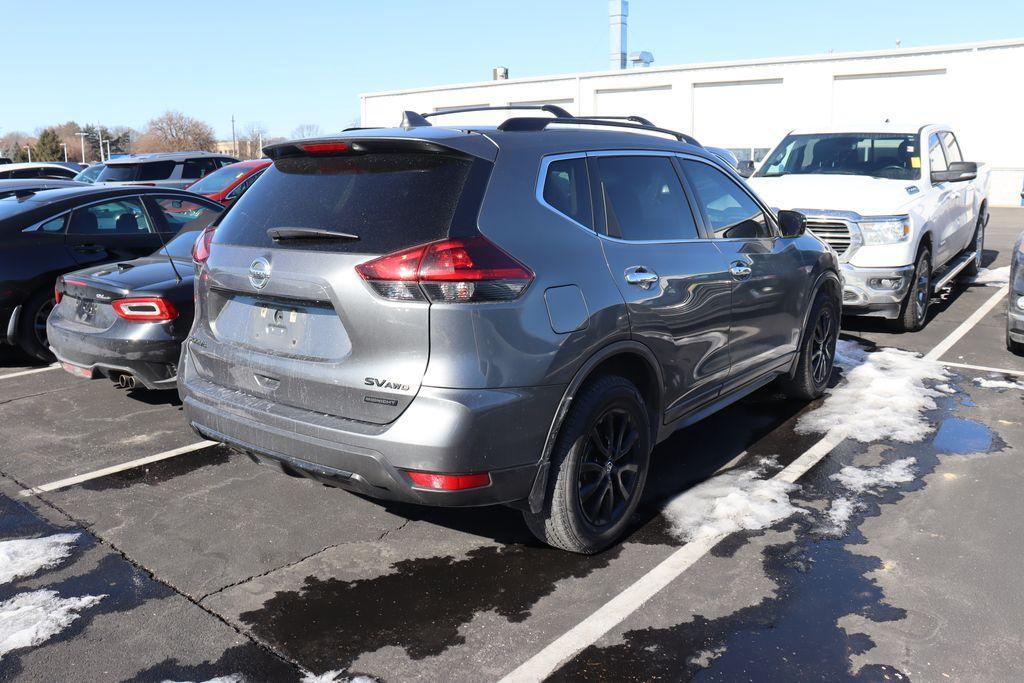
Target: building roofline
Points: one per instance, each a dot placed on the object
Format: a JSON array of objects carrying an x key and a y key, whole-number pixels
[{"x": 767, "y": 61}]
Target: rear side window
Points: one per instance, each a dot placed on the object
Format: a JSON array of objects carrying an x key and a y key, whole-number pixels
[
  {"x": 153, "y": 170},
  {"x": 390, "y": 201},
  {"x": 181, "y": 214},
  {"x": 643, "y": 199},
  {"x": 120, "y": 217},
  {"x": 197, "y": 168},
  {"x": 567, "y": 189},
  {"x": 729, "y": 210}
]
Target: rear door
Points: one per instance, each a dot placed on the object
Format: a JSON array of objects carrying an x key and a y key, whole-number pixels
[
  {"x": 769, "y": 277},
  {"x": 675, "y": 283},
  {"x": 291, "y": 320},
  {"x": 117, "y": 229}
]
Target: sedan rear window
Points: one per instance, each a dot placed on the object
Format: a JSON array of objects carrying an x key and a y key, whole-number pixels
[
  {"x": 390, "y": 201},
  {"x": 152, "y": 170}
]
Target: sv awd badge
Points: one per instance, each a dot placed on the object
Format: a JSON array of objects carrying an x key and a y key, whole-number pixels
[{"x": 384, "y": 384}]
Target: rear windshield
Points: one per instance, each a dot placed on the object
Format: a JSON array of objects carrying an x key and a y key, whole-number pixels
[
  {"x": 153, "y": 170},
  {"x": 390, "y": 201}
]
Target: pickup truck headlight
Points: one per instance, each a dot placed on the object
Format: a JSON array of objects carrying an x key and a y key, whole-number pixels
[{"x": 885, "y": 230}]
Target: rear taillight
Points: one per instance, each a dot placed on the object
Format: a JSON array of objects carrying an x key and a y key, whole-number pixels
[
  {"x": 145, "y": 309},
  {"x": 58, "y": 288},
  {"x": 324, "y": 147},
  {"x": 463, "y": 270},
  {"x": 448, "y": 482},
  {"x": 201, "y": 247}
]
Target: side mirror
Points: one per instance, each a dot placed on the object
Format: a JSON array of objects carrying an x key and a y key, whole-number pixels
[
  {"x": 958, "y": 172},
  {"x": 793, "y": 223},
  {"x": 745, "y": 168}
]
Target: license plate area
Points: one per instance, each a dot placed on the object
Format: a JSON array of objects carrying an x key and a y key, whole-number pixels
[{"x": 278, "y": 327}]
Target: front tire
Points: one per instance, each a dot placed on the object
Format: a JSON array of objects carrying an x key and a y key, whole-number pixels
[
  {"x": 598, "y": 469},
  {"x": 817, "y": 352},
  {"x": 31, "y": 333},
  {"x": 914, "y": 308}
]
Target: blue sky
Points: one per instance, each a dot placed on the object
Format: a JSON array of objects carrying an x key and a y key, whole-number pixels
[{"x": 286, "y": 63}]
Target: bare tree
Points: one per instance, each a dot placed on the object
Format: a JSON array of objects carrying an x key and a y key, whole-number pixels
[
  {"x": 306, "y": 130},
  {"x": 172, "y": 131},
  {"x": 251, "y": 141}
]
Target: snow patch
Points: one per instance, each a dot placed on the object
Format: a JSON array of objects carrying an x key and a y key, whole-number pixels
[
  {"x": 945, "y": 388},
  {"x": 997, "y": 383},
  {"x": 337, "y": 676},
  {"x": 31, "y": 618},
  {"x": 26, "y": 556},
  {"x": 994, "y": 277},
  {"x": 837, "y": 517},
  {"x": 730, "y": 502},
  {"x": 230, "y": 678},
  {"x": 870, "y": 479},
  {"x": 884, "y": 396}
]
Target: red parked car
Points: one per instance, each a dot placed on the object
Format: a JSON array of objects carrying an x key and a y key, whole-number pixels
[{"x": 227, "y": 184}]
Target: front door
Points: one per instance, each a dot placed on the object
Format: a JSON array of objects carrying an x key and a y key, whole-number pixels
[
  {"x": 769, "y": 278},
  {"x": 675, "y": 284},
  {"x": 115, "y": 230}
]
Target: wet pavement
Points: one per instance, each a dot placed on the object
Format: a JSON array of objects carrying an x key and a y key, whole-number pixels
[{"x": 899, "y": 563}]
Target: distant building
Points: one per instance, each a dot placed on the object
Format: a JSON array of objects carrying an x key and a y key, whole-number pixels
[{"x": 747, "y": 106}]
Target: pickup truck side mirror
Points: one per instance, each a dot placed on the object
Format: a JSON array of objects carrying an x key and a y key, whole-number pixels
[
  {"x": 745, "y": 168},
  {"x": 958, "y": 172},
  {"x": 793, "y": 223}
]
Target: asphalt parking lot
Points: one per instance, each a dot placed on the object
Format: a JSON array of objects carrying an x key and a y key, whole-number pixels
[{"x": 210, "y": 565}]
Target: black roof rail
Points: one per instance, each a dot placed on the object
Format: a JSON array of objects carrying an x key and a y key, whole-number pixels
[
  {"x": 634, "y": 118},
  {"x": 536, "y": 123},
  {"x": 553, "y": 109}
]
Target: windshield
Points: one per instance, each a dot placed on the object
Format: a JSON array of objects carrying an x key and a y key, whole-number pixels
[
  {"x": 153, "y": 170},
  {"x": 219, "y": 180},
  {"x": 181, "y": 245},
  {"x": 879, "y": 155},
  {"x": 88, "y": 175}
]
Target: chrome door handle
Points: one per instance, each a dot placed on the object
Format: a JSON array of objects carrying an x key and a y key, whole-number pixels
[
  {"x": 639, "y": 275},
  {"x": 740, "y": 270}
]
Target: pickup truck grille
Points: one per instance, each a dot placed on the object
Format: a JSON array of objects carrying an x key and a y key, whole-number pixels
[{"x": 835, "y": 233}]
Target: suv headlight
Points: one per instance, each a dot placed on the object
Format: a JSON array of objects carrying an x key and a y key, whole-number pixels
[{"x": 885, "y": 230}]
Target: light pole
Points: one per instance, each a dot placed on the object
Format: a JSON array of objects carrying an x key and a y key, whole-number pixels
[
  {"x": 108, "y": 149},
  {"x": 81, "y": 138},
  {"x": 65, "y": 148},
  {"x": 101, "y": 146},
  {"x": 29, "y": 149}
]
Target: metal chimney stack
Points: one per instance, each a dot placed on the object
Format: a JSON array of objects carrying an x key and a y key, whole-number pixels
[{"x": 618, "y": 12}]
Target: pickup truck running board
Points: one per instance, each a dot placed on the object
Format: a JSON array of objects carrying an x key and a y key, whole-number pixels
[{"x": 953, "y": 269}]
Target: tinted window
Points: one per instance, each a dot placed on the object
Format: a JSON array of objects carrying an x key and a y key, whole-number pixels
[
  {"x": 936, "y": 157},
  {"x": 181, "y": 214},
  {"x": 567, "y": 189},
  {"x": 882, "y": 155},
  {"x": 119, "y": 217},
  {"x": 181, "y": 245},
  {"x": 952, "y": 147},
  {"x": 643, "y": 199},
  {"x": 197, "y": 168},
  {"x": 53, "y": 225},
  {"x": 89, "y": 175},
  {"x": 27, "y": 173},
  {"x": 391, "y": 201},
  {"x": 149, "y": 171},
  {"x": 729, "y": 210}
]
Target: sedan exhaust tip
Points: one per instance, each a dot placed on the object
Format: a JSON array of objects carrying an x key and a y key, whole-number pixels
[{"x": 126, "y": 382}]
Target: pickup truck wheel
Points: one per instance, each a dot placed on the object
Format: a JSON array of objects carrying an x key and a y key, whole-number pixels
[
  {"x": 598, "y": 469},
  {"x": 817, "y": 353},
  {"x": 978, "y": 245},
  {"x": 31, "y": 332},
  {"x": 914, "y": 309}
]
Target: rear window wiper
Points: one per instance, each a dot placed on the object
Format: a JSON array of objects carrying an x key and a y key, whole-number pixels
[{"x": 280, "y": 234}]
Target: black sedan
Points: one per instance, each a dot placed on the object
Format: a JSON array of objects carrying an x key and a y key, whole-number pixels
[
  {"x": 126, "y": 320},
  {"x": 51, "y": 232},
  {"x": 1015, "y": 309}
]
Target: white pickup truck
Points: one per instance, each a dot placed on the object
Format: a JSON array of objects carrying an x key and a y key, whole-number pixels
[{"x": 900, "y": 206}]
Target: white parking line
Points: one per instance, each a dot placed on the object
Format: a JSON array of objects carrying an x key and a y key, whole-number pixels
[
  {"x": 965, "y": 327},
  {"x": 30, "y": 372},
  {"x": 616, "y": 610},
  {"x": 71, "y": 481},
  {"x": 983, "y": 368}
]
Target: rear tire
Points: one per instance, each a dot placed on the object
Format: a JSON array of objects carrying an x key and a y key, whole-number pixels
[
  {"x": 978, "y": 245},
  {"x": 1014, "y": 347},
  {"x": 817, "y": 352},
  {"x": 31, "y": 332},
  {"x": 598, "y": 469},
  {"x": 914, "y": 308}
]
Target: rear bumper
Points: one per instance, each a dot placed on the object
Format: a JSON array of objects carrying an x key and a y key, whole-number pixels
[
  {"x": 865, "y": 293},
  {"x": 450, "y": 431},
  {"x": 144, "y": 351}
]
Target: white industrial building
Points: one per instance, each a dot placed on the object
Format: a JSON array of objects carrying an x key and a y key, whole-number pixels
[{"x": 749, "y": 105}]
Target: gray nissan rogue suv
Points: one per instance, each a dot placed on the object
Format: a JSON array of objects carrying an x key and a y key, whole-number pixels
[{"x": 512, "y": 314}]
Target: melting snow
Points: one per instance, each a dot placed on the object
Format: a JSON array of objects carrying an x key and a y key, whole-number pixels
[
  {"x": 884, "y": 396},
  {"x": 945, "y": 388},
  {"x": 26, "y": 556},
  {"x": 994, "y": 277},
  {"x": 337, "y": 676},
  {"x": 31, "y": 618},
  {"x": 730, "y": 502},
  {"x": 230, "y": 678},
  {"x": 997, "y": 383},
  {"x": 865, "y": 479},
  {"x": 838, "y": 515}
]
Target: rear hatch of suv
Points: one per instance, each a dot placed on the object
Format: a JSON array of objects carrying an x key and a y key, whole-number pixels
[{"x": 311, "y": 294}]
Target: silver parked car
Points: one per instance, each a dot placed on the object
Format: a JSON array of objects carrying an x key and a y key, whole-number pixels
[
  {"x": 514, "y": 314},
  {"x": 166, "y": 169},
  {"x": 1015, "y": 308}
]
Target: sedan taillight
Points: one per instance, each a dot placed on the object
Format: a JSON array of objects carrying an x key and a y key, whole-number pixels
[
  {"x": 145, "y": 309},
  {"x": 461, "y": 270},
  {"x": 201, "y": 247}
]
